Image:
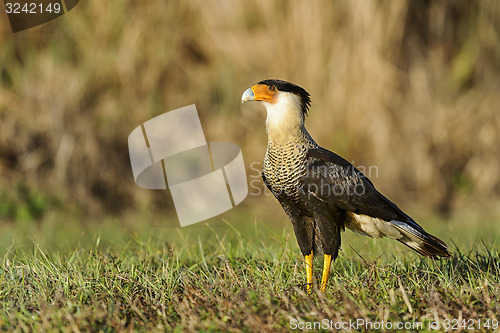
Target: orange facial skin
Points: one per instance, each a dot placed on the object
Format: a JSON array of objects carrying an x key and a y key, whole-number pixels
[{"x": 265, "y": 93}]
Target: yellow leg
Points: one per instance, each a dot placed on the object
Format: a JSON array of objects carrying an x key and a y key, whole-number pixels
[
  {"x": 309, "y": 271},
  {"x": 326, "y": 271}
]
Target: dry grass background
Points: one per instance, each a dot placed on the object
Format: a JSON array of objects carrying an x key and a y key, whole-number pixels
[{"x": 411, "y": 87}]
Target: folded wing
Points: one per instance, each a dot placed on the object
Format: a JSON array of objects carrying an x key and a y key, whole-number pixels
[{"x": 336, "y": 182}]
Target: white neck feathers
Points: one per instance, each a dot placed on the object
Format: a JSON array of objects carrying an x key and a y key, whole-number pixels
[{"x": 285, "y": 119}]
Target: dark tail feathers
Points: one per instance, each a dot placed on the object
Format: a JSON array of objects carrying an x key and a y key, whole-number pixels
[{"x": 420, "y": 241}]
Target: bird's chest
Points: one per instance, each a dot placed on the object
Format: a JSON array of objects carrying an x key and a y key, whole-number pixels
[{"x": 283, "y": 167}]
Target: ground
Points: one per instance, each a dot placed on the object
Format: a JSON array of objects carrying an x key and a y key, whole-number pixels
[{"x": 236, "y": 273}]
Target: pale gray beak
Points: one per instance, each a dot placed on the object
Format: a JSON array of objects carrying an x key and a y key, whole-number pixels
[{"x": 247, "y": 96}]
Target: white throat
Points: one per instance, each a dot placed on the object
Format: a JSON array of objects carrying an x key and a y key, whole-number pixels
[{"x": 284, "y": 118}]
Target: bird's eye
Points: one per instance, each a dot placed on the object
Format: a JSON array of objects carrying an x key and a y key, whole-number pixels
[{"x": 271, "y": 87}]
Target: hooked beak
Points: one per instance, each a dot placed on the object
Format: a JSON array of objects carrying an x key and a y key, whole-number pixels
[{"x": 247, "y": 96}]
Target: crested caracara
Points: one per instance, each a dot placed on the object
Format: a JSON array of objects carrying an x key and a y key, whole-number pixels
[{"x": 320, "y": 191}]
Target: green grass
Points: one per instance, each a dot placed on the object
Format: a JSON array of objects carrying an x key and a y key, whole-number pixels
[{"x": 114, "y": 275}]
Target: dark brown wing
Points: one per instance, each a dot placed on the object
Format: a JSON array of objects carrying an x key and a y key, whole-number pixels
[{"x": 335, "y": 181}]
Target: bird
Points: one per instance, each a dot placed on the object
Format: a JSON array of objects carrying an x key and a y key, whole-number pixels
[{"x": 321, "y": 192}]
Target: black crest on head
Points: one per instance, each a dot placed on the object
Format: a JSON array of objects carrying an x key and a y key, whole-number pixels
[{"x": 281, "y": 85}]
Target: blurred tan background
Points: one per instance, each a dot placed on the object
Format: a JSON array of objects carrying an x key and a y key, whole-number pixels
[{"x": 408, "y": 87}]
